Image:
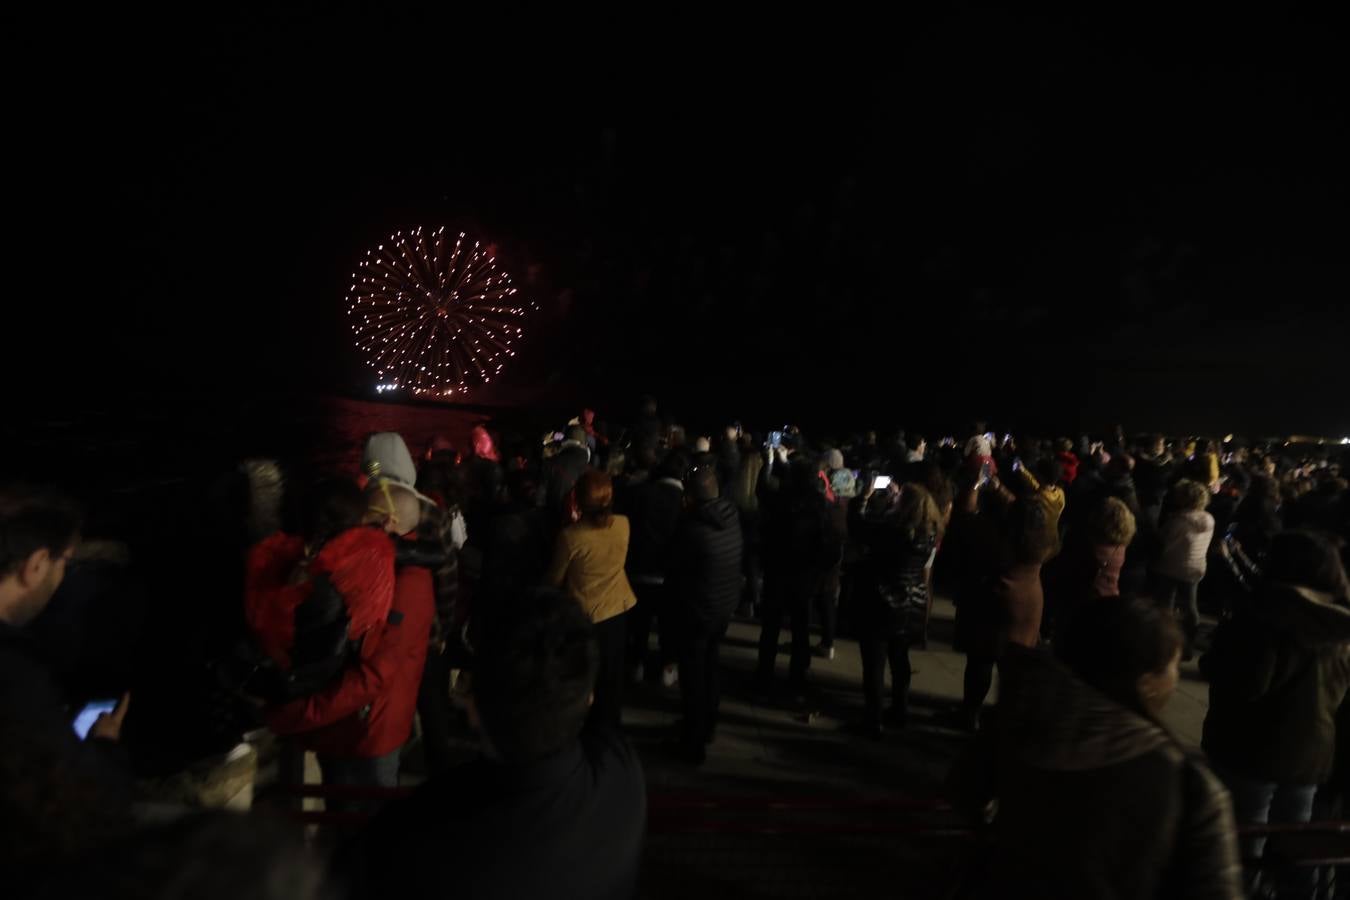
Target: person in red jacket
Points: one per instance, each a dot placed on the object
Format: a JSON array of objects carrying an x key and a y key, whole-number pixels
[{"x": 358, "y": 724}]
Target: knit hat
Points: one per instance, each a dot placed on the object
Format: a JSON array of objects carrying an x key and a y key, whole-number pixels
[
  {"x": 389, "y": 455},
  {"x": 834, "y": 459},
  {"x": 386, "y": 458}
]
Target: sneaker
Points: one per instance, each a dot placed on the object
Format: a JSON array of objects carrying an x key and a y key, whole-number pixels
[
  {"x": 825, "y": 652},
  {"x": 670, "y": 676}
]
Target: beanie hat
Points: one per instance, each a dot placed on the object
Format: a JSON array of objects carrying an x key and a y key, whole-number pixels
[
  {"x": 389, "y": 455},
  {"x": 834, "y": 459}
]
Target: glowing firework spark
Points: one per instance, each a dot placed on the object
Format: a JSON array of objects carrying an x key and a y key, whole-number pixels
[{"x": 434, "y": 318}]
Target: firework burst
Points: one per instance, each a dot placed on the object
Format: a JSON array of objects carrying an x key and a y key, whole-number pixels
[{"x": 433, "y": 316}]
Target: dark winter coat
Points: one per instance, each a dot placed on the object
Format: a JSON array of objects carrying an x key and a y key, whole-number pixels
[
  {"x": 653, "y": 509},
  {"x": 892, "y": 588},
  {"x": 58, "y": 795},
  {"x": 799, "y": 531},
  {"x": 1278, "y": 671},
  {"x": 705, "y": 564},
  {"x": 1152, "y": 478},
  {"x": 1057, "y": 756},
  {"x": 728, "y": 466}
]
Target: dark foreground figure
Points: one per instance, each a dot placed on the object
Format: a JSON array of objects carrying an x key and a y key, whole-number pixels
[
  {"x": 548, "y": 811},
  {"x": 1076, "y": 762}
]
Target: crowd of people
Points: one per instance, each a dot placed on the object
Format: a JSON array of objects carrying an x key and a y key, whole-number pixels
[{"x": 520, "y": 591}]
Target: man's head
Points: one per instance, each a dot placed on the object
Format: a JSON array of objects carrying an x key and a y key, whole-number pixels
[
  {"x": 534, "y": 675},
  {"x": 38, "y": 533},
  {"x": 577, "y": 433}
]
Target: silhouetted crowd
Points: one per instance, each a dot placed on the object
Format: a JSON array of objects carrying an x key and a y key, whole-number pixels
[{"x": 492, "y": 604}]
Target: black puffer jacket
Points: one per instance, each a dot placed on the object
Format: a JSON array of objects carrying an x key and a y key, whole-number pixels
[
  {"x": 892, "y": 588},
  {"x": 1277, "y": 673},
  {"x": 1060, "y": 756},
  {"x": 653, "y": 510},
  {"x": 705, "y": 568}
]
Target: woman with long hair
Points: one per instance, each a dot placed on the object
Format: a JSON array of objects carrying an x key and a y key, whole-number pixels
[
  {"x": 899, "y": 532},
  {"x": 588, "y": 564}
]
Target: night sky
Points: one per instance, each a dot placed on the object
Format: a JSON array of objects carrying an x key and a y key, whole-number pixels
[{"x": 1049, "y": 222}]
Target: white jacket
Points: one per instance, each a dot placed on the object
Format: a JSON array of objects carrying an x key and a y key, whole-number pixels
[{"x": 1185, "y": 544}]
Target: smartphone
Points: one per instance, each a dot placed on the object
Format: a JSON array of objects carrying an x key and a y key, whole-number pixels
[
  {"x": 775, "y": 439},
  {"x": 881, "y": 482},
  {"x": 89, "y": 715},
  {"x": 1017, "y": 464}
]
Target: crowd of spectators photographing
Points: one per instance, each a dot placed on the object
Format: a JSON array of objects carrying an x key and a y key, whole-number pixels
[{"x": 515, "y": 589}]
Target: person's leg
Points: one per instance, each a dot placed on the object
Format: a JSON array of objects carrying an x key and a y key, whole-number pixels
[
  {"x": 361, "y": 772},
  {"x": 693, "y": 703},
  {"x": 1187, "y": 593},
  {"x": 800, "y": 662},
  {"x": 640, "y": 626},
  {"x": 771, "y": 628},
  {"x": 1251, "y": 806},
  {"x": 606, "y": 710},
  {"x": 979, "y": 678},
  {"x": 667, "y": 628},
  {"x": 713, "y": 680},
  {"x": 1293, "y": 804},
  {"x": 291, "y": 770},
  {"x": 901, "y": 672},
  {"x": 1164, "y": 591},
  {"x": 873, "y": 677},
  {"x": 827, "y": 606},
  {"x": 433, "y": 707}
]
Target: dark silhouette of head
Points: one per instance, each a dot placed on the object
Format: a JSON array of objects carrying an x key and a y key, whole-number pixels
[
  {"x": 534, "y": 674},
  {"x": 1122, "y": 646}
]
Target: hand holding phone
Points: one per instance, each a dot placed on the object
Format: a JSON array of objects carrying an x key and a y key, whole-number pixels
[
  {"x": 103, "y": 718},
  {"x": 881, "y": 482}
]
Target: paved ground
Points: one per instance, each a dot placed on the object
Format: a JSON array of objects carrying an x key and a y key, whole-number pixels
[
  {"x": 793, "y": 801},
  {"x": 764, "y": 746},
  {"x": 779, "y": 751}
]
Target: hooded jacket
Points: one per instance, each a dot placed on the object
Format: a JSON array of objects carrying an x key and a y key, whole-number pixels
[
  {"x": 653, "y": 509},
  {"x": 368, "y": 710},
  {"x": 1059, "y": 756},
  {"x": 1278, "y": 671},
  {"x": 705, "y": 569},
  {"x": 304, "y": 613}
]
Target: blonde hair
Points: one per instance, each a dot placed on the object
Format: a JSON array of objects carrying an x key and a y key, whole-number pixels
[
  {"x": 1189, "y": 496},
  {"x": 1114, "y": 522},
  {"x": 918, "y": 514}
]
